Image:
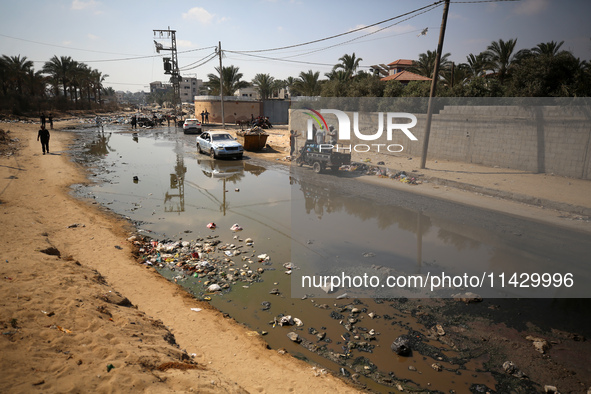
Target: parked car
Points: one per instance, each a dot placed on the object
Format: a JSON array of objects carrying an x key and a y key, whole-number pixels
[
  {"x": 192, "y": 126},
  {"x": 219, "y": 144}
]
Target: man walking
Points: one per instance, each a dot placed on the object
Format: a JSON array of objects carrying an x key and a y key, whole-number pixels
[{"x": 44, "y": 136}]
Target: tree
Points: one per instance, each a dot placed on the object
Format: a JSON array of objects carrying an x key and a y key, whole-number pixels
[
  {"x": 17, "y": 69},
  {"x": 476, "y": 65},
  {"x": 264, "y": 84},
  {"x": 348, "y": 64},
  {"x": 548, "y": 49},
  {"x": 499, "y": 56},
  {"x": 426, "y": 64},
  {"x": 231, "y": 78},
  {"x": 338, "y": 75},
  {"x": 456, "y": 75},
  {"x": 308, "y": 83},
  {"x": 59, "y": 69},
  {"x": 97, "y": 79}
]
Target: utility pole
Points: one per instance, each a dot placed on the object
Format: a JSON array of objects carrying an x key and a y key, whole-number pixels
[
  {"x": 221, "y": 84},
  {"x": 171, "y": 66},
  {"x": 434, "y": 84}
]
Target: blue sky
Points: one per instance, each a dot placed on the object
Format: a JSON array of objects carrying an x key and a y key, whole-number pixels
[{"x": 108, "y": 35}]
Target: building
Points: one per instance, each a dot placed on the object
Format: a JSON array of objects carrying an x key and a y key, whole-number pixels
[
  {"x": 250, "y": 92},
  {"x": 398, "y": 71},
  {"x": 189, "y": 88},
  {"x": 158, "y": 86}
]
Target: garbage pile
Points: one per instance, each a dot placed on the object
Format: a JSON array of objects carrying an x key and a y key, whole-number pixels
[
  {"x": 256, "y": 130},
  {"x": 216, "y": 266}
]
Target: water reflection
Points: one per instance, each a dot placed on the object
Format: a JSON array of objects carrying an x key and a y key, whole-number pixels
[
  {"x": 177, "y": 187},
  {"x": 99, "y": 146},
  {"x": 354, "y": 228}
]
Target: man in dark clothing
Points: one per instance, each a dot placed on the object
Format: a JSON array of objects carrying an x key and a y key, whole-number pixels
[
  {"x": 44, "y": 136},
  {"x": 43, "y": 119},
  {"x": 50, "y": 119},
  {"x": 206, "y": 116}
]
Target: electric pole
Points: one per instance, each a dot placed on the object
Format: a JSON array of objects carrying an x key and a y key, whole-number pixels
[
  {"x": 434, "y": 84},
  {"x": 221, "y": 84},
  {"x": 171, "y": 65}
]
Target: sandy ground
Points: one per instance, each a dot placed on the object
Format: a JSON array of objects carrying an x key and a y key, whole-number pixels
[
  {"x": 79, "y": 314},
  {"x": 63, "y": 329}
]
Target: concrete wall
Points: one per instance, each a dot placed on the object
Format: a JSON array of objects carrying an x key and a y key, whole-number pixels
[
  {"x": 277, "y": 111},
  {"x": 233, "y": 109},
  {"x": 536, "y": 139}
]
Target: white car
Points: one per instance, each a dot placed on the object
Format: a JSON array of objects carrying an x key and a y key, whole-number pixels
[
  {"x": 219, "y": 144},
  {"x": 192, "y": 126}
]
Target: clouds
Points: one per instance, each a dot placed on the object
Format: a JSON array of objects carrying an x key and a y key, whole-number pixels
[
  {"x": 531, "y": 7},
  {"x": 80, "y": 5},
  {"x": 199, "y": 14}
]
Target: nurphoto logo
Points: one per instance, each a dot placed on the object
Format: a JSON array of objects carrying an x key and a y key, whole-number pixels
[{"x": 344, "y": 129}]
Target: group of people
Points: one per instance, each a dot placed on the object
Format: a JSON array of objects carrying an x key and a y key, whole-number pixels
[
  {"x": 204, "y": 117},
  {"x": 45, "y": 119},
  {"x": 319, "y": 137},
  {"x": 260, "y": 121}
]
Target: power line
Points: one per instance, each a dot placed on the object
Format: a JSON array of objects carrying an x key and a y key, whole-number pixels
[
  {"x": 211, "y": 57},
  {"x": 279, "y": 59},
  {"x": 342, "y": 34},
  {"x": 368, "y": 34}
]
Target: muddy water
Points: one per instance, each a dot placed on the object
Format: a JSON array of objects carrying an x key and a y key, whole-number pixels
[{"x": 318, "y": 222}]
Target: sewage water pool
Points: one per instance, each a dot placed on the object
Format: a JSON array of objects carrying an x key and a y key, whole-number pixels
[{"x": 323, "y": 224}]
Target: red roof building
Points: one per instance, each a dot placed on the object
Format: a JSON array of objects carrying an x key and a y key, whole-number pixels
[{"x": 397, "y": 71}]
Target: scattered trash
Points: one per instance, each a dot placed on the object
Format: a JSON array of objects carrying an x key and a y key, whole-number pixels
[
  {"x": 236, "y": 227},
  {"x": 110, "y": 367},
  {"x": 211, "y": 225},
  {"x": 196, "y": 309},
  {"x": 294, "y": 337},
  {"x": 401, "y": 346},
  {"x": 74, "y": 225}
]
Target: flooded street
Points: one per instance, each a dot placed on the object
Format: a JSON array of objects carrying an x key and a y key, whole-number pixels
[{"x": 325, "y": 224}]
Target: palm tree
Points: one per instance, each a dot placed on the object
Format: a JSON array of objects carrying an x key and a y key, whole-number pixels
[
  {"x": 17, "y": 69},
  {"x": 58, "y": 69},
  {"x": 289, "y": 84},
  {"x": 499, "y": 57},
  {"x": 456, "y": 75},
  {"x": 475, "y": 65},
  {"x": 231, "y": 79},
  {"x": 264, "y": 84},
  {"x": 348, "y": 63},
  {"x": 548, "y": 49},
  {"x": 338, "y": 75},
  {"x": 308, "y": 83},
  {"x": 426, "y": 63},
  {"x": 97, "y": 83}
]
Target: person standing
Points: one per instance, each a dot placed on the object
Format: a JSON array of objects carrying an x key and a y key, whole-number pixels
[
  {"x": 202, "y": 117},
  {"x": 44, "y": 136},
  {"x": 43, "y": 119},
  {"x": 134, "y": 122},
  {"x": 50, "y": 118},
  {"x": 206, "y": 117},
  {"x": 293, "y": 135}
]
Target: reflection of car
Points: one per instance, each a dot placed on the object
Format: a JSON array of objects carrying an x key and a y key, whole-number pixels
[
  {"x": 221, "y": 169},
  {"x": 219, "y": 144},
  {"x": 192, "y": 126}
]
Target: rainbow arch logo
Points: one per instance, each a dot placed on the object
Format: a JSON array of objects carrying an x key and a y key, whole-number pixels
[{"x": 317, "y": 118}]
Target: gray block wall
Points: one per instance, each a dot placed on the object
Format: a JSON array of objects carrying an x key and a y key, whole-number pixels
[{"x": 542, "y": 139}]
